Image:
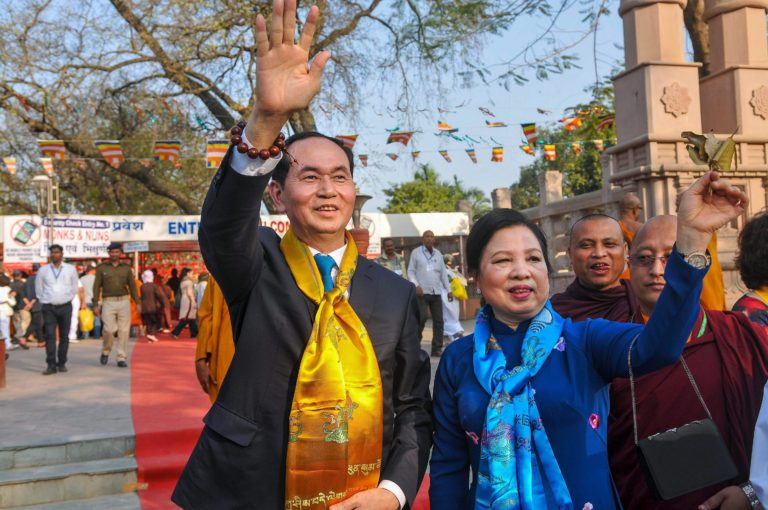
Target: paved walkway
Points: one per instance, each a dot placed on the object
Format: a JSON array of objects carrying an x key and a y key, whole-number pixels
[{"x": 89, "y": 400}]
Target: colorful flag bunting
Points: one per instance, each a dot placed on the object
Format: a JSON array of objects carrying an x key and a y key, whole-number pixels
[
  {"x": 167, "y": 150},
  {"x": 80, "y": 163},
  {"x": 47, "y": 165},
  {"x": 529, "y": 130},
  {"x": 444, "y": 126},
  {"x": 495, "y": 124},
  {"x": 445, "y": 156},
  {"x": 572, "y": 123},
  {"x": 486, "y": 111},
  {"x": 400, "y": 137},
  {"x": 606, "y": 121},
  {"x": 52, "y": 149},
  {"x": 550, "y": 154},
  {"x": 497, "y": 154},
  {"x": 215, "y": 152},
  {"x": 10, "y": 164},
  {"x": 528, "y": 150},
  {"x": 347, "y": 140},
  {"x": 472, "y": 155},
  {"x": 363, "y": 159},
  {"x": 599, "y": 145},
  {"x": 392, "y": 156},
  {"x": 415, "y": 154},
  {"x": 111, "y": 151},
  {"x": 576, "y": 147}
]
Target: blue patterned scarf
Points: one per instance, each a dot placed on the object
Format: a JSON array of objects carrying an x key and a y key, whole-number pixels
[{"x": 509, "y": 472}]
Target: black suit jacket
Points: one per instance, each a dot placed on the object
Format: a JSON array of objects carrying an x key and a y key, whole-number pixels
[{"x": 239, "y": 459}]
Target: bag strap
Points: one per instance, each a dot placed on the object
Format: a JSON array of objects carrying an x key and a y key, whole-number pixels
[{"x": 632, "y": 387}]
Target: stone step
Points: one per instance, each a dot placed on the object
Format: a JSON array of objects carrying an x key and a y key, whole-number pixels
[
  {"x": 67, "y": 482},
  {"x": 66, "y": 451},
  {"x": 127, "y": 501}
]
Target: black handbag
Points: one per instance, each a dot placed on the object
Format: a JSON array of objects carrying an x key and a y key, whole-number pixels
[{"x": 683, "y": 459}]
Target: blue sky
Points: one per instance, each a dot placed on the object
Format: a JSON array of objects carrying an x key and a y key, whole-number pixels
[{"x": 513, "y": 107}]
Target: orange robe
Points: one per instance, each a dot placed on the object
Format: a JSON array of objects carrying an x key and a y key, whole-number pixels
[
  {"x": 214, "y": 339},
  {"x": 628, "y": 237},
  {"x": 713, "y": 289}
]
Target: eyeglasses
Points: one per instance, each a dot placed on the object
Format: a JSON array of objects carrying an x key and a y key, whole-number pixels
[{"x": 647, "y": 260}]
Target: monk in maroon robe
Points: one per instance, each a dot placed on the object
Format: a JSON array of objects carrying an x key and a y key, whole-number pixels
[
  {"x": 598, "y": 255},
  {"x": 728, "y": 358}
]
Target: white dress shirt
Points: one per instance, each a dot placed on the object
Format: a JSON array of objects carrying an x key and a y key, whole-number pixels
[
  {"x": 427, "y": 270},
  {"x": 56, "y": 286},
  {"x": 244, "y": 165}
]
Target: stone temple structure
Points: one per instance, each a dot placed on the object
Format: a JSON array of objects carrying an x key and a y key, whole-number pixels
[{"x": 660, "y": 95}]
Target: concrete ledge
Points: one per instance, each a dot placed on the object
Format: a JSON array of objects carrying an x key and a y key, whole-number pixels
[
  {"x": 127, "y": 501},
  {"x": 69, "y": 450}
]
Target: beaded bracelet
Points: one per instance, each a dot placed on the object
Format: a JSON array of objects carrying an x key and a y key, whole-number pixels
[{"x": 236, "y": 138}]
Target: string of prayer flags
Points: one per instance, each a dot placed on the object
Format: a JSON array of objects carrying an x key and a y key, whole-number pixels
[
  {"x": 445, "y": 156},
  {"x": 599, "y": 145},
  {"x": 10, "y": 165},
  {"x": 215, "y": 152},
  {"x": 495, "y": 124},
  {"x": 444, "y": 126},
  {"x": 486, "y": 111},
  {"x": 529, "y": 130},
  {"x": 576, "y": 148},
  {"x": 497, "y": 154},
  {"x": 47, "y": 165},
  {"x": 80, "y": 163},
  {"x": 363, "y": 159},
  {"x": 572, "y": 123},
  {"x": 528, "y": 150},
  {"x": 550, "y": 154},
  {"x": 392, "y": 156},
  {"x": 111, "y": 151},
  {"x": 472, "y": 155},
  {"x": 400, "y": 137},
  {"x": 168, "y": 150},
  {"x": 415, "y": 154},
  {"x": 347, "y": 140},
  {"x": 52, "y": 149},
  {"x": 606, "y": 121}
]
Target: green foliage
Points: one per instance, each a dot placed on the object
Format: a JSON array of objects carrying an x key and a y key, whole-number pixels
[
  {"x": 581, "y": 173},
  {"x": 426, "y": 193}
]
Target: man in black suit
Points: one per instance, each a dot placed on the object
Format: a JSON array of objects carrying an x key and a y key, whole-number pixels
[{"x": 240, "y": 458}]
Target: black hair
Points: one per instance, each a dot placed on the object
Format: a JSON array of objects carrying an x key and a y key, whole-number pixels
[
  {"x": 4, "y": 280},
  {"x": 56, "y": 247},
  {"x": 281, "y": 170},
  {"x": 185, "y": 272},
  {"x": 752, "y": 259},
  {"x": 484, "y": 229}
]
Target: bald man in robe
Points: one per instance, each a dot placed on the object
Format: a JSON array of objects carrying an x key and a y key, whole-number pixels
[{"x": 598, "y": 255}]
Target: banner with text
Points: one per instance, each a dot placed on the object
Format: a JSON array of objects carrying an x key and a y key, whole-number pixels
[{"x": 26, "y": 238}]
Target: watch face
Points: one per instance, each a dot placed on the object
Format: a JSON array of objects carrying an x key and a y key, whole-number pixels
[{"x": 697, "y": 260}]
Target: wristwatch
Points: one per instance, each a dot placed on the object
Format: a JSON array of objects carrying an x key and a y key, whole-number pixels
[
  {"x": 698, "y": 259},
  {"x": 749, "y": 491}
]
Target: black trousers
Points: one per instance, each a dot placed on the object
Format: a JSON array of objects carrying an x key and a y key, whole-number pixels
[
  {"x": 56, "y": 316},
  {"x": 151, "y": 321},
  {"x": 183, "y": 323},
  {"x": 435, "y": 304},
  {"x": 36, "y": 326}
]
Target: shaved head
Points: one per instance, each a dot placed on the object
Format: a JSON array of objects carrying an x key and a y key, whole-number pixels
[
  {"x": 629, "y": 202},
  {"x": 662, "y": 227},
  {"x": 648, "y": 259},
  {"x": 597, "y": 251}
]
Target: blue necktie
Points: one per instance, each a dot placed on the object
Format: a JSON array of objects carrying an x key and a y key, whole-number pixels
[{"x": 325, "y": 265}]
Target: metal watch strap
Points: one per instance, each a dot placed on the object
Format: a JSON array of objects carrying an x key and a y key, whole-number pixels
[{"x": 750, "y": 493}]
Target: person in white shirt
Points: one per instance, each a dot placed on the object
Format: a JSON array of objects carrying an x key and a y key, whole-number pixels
[
  {"x": 56, "y": 286},
  {"x": 87, "y": 281},
  {"x": 426, "y": 270}
]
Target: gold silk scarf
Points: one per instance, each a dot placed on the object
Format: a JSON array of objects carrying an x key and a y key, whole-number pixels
[{"x": 336, "y": 422}]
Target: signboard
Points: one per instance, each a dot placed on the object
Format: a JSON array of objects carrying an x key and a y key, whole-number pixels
[
  {"x": 26, "y": 238},
  {"x": 135, "y": 246}
]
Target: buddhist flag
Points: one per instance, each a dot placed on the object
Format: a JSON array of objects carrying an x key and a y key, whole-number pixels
[
  {"x": 472, "y": 155},
  {"x": 576, "y": 147},
  {"x": 111, "y": 151},
  {"x": 497, "y": 154},
  {"x": 528, "y": 150},
  {"x": 52, "y": 149},
  {"x": 444, "y": 126},
  {"x": 363, "y": 159},
  {"x": 347, "y": 140},
  {"x": 445, "y": 156},
  {"x": 168, "y": 150},
  {"x": 10, "y": 164},
  {"x": 392, "y": 156},
  {"x": 215, "y": 152},
  {"x": 47, "y": 165},
  {"x": 599, "y": 145},
  {"x": 495, "y": 124},
  {"x": 400, "y": 137},
  {"x": 571, "y": 124},
  {"x": 529, "y": 130},
  {"x": 550, "y": 154},
  {"x": 606, "y": 121},
  {"x": 80, "y": 163}
]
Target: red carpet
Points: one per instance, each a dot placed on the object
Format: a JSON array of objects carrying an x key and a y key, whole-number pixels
[{"x": 167, "y": 405}]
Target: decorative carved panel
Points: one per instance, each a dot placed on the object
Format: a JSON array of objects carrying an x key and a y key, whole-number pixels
[
  {"x": 759, "y": 101},
  {"x": 676, "y": 99}
]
